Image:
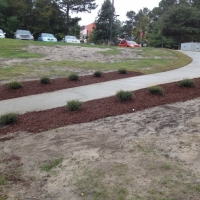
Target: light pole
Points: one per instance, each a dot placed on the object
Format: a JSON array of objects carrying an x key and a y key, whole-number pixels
[{"x": 111, "y": 20}]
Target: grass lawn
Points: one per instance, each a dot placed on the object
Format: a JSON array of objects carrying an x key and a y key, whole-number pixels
[{"x": 145, "y": 60}]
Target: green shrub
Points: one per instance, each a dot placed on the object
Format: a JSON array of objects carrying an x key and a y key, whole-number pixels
[
  {"x": 157, "y": 90},
  {"x": 98, "y": 74},
  {"x": 73, "y": 77},
  {"x": 74, "y": 105},
  {"x": 8, "y": 118},
  {"x": 186, "y": 83},
  {"x": 14, "y": 85},
  {"x": 122, "y": 71},
  {"x": 45, "y": 80},
  {"x": 124, "y": 95}
]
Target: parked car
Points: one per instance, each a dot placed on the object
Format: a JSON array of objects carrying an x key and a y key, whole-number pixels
[
  {"x": 127, "y": 43},
  {"x": 2, "y": 34},
  {"x": 23, "y": 35},
  {"x": 47, "y": 37},
  {"x": 71, "y": 39}
]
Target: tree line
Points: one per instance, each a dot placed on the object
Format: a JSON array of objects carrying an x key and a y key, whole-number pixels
[
  {"x": 169, "y": 24},
  {"x": 38, "y": 16}
]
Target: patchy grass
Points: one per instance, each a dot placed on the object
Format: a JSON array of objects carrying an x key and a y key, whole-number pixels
[
  {"x": 91, "y": 185},
  {"x": 51, "y": 164},
  {"x": 113, "y": 51},
  {"x": 16, "y": 49},
  {"x": 147, "y": 60}
]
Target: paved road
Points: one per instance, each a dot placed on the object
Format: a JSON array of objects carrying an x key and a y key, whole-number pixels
[{"x": 99, "y": 90}]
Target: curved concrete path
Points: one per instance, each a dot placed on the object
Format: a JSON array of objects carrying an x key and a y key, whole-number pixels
[{"x": 99, "y": 90}]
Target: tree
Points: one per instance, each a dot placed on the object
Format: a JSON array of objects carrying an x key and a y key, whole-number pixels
[
  {"x": 130, "y": 23},
  {"x": 75, "y": 29},
  {"x": 101, "y": 33},
  {"x": 142, "y": 21},
  {"x": 46, "y": 16},
  {"x": 3, "y": 8},
  {"x": 181, "y": 21},
  {"x": 76, "y": 6}
]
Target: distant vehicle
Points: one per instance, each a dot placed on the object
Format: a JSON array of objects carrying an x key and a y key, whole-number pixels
[
  {"x": 71, "y": 39},
  {"x": 47, "y": 37},
  {"x": 127, "y": 43},
  {"x": 2, "y": 34},
  {"x": 23, "y": 35}
]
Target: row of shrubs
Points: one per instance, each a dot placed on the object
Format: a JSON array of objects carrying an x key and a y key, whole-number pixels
[
  {"x": 123, "y": 96},
  {"x": 72, "y": 77}
]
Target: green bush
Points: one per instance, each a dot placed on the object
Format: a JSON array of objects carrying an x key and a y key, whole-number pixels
[
  {"x": 186, "y": 83},
  {"x": 124, "y": 95},
  {"x": 14, "y": 85},
  {"x": 8, "y": 118},
  {"x": 122, "y": 71},
  {"x": 73, "y": 77},
  {"x": 74, "y": 105},
  {"x": 45, "y": 80},
  {"x": 157, "y": 90},
  {"x": 98, "y": 74}
]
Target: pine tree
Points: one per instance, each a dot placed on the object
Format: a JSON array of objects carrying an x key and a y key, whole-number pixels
[{"x": 101, "y": 33}]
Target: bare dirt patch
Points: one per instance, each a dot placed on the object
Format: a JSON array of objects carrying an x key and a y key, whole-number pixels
[
  {"x": 81, "y": 54},
  {"x": 150, "y": 154},
  {"x": 76, "y": 53}
]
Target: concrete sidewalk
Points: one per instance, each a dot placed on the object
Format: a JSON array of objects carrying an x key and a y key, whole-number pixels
[{"x": 99, "y": 90}]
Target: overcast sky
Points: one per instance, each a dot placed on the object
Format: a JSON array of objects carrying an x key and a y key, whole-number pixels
[{"x": 121, "y": 7}]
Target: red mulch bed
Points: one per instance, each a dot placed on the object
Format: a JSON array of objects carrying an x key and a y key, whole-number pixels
[
  {"x": 45, "y": 120},
  {"x": 35, "y": 87}
]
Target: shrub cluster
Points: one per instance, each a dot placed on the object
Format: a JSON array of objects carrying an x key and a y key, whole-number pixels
[
  {"x": 122, "y": 71},
  {"x": 124, "y": 95},
  {"x": 8, "y": 118},
  {"x": 73, "y": 77},
  {"x": 157, "y": 90},
  {"x": 74, "y": 105},
  {"x": 98, "y": 74},
  {"x": 186, "y": 83},
  {"x": 45, "y": 80},
  {"x": 14, "y": 85}
]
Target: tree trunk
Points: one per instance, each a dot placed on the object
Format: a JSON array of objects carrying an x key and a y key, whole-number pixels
[{"x": 67, "y": 20}]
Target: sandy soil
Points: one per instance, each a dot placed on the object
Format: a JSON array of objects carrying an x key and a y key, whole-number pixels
[
  {"x": 146, "y": 155},
  {"x": 77, "y": 53}
]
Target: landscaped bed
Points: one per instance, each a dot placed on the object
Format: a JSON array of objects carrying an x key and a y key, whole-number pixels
[
  {"x": 35, "y": 87},
  {"x": 92, "y": 110}
]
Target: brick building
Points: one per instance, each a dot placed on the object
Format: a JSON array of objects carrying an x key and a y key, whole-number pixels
[{"x": 87, "y": 30}]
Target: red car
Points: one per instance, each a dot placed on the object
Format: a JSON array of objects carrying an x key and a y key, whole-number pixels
[{"x": 127, "y": 43}]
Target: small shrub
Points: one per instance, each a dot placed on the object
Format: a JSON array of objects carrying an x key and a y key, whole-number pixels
[
  {"x": 186, "y": 83},
  {"x": 74, "y": 105},
  {"x": 14, "y": 85},
  {"x": 98, "y": 74},
  {"x": 73, "y": 77},
  {"x": 122, "y": 71},
  {"x": 124, "y": 95},
  {"x": 45, "y": 80},
  {"x": 157, "y": 90},
  {"x": 9, "y": 118}
]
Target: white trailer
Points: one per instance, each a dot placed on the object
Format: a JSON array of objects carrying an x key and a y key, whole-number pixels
[{"x": 190, "y": 46}]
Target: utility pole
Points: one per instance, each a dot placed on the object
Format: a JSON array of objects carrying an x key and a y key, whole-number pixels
[
  {"x": 111, "y": 20},
  {"x": 131, "y": 30}
]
